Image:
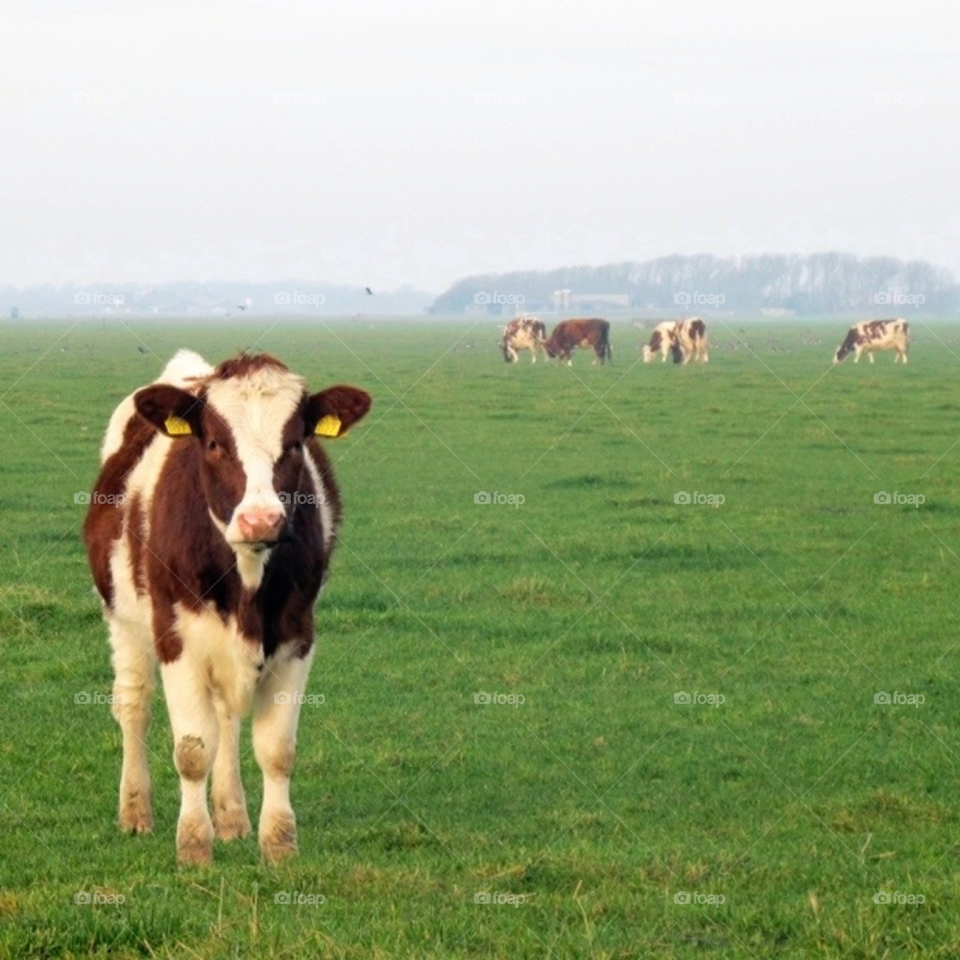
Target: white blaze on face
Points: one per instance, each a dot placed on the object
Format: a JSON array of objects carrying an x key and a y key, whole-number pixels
[{"x": 256, "y": 408}]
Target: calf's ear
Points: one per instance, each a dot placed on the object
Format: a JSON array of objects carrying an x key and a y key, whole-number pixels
[
  {"x": 172, "y": 411},
  {"x": 333, "y": 411}
]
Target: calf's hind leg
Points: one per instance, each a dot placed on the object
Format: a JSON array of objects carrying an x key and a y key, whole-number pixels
[{"x": 230, "y": 818}]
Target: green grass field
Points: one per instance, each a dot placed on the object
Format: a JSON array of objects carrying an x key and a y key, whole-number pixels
[{"x": 593, "y": 806}]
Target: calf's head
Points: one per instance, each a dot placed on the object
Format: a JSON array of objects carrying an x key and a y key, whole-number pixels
[{"x": 249, "y": 421}]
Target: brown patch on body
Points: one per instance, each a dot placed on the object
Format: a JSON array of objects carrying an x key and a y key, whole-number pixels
[{"x": 103, "y": 525}]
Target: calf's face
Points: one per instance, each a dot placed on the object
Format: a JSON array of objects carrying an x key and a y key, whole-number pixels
[{"x": 249, "y": 438}]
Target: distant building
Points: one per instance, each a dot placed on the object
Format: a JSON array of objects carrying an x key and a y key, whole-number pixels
[
  {"x": 598, "y": 302},
  {"x": 14, "y": 313}
]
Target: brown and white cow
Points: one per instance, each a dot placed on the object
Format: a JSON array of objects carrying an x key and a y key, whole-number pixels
[
  {"x": 523, "y": 333},
  {"x": 663, "y": 341},
  {"x": 683, "y": 340},
  {"x": 872, "y": 335},
  {"x": 209, "y": 540},
  {"x": 568, "y": 335}
]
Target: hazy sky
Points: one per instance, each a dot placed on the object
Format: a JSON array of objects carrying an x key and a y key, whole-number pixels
[{"x": 384, "y": 143}]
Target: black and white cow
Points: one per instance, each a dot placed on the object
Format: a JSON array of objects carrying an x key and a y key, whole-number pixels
[{"x": 872, "y": 335}]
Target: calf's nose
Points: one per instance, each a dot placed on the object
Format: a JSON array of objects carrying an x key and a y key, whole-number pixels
[{"x": 258, "y": 526}]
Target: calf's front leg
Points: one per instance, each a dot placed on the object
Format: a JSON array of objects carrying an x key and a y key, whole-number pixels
[
  {"x": 195, "y": 740},
  {"x": 275, "y": 718}
]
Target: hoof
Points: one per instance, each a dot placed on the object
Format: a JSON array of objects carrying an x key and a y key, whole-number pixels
[
  {"x": 279, "y": 840},
  {"x": 195, "y": 844},
  {"x": 136, "y": 815},
  {"x": 230, "y": 824},
  {"x": 278, "y": 852},
  {"x": 195, "y": 855}
]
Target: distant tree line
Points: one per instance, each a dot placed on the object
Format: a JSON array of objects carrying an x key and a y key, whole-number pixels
[{"x": 822, "y": 283}]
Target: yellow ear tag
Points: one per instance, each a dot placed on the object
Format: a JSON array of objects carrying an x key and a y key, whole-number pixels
[
  {"x": 177, "y": 426},
  {"x": 329, "y": 426}
]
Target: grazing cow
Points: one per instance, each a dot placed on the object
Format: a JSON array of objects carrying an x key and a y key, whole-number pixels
[
  {"x": 663, "y": 340},
  {"x": 684, "y": 340},
  {"x": 523, "y": 333},
  {"x": 874, "y": 335},
  {"x": 209, "y": 538},
  {"x": 570, "y": 334}
]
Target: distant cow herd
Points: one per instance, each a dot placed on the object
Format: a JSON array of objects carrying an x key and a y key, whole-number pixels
[{"x": 681, "y": 340}]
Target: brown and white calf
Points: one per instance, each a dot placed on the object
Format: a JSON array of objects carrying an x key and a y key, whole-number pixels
[
  {"x": 568, "y": 335},
  {"x": 523, "y": 333},
  {"x": 209, "y": 541},
  {"x": 683, "y": 340},
  {"x": 872, "y": 335}
]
